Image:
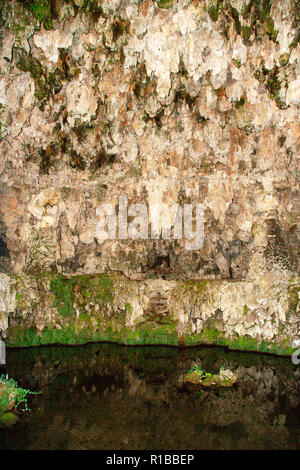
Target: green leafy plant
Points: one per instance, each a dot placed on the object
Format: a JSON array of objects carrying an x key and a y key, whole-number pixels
[
  {"x": 199, "y": 371},
  {"x": 11, "y": 395}
]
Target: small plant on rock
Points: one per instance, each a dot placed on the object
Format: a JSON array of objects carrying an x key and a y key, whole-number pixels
[
  {"x": 197, "y": 369},
  {"x": 11, "y": 396},
  {"x": 225, "y": 378}
]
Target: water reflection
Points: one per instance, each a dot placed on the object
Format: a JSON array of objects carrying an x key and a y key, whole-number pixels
[{"x": 111, "y": 397}]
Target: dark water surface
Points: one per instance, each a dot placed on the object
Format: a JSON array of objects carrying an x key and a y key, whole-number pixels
[{"x": 104, "y": 396}]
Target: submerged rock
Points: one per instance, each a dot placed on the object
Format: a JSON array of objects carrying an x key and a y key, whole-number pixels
[
  {"x": 8, "y": 419},
  {"x": 7, "y": 403}
]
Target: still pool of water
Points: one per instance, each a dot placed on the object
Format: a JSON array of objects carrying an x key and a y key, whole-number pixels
[{"x": 104, "y": 396}]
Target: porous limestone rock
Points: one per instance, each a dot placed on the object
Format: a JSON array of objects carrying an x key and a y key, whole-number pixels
[
  {"x": 166, "y": 103},
  {"x": 7, "y": 300}
]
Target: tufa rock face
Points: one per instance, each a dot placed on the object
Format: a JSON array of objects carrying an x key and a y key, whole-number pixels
[
  {"x": 167, "y": 103},
  {"x": 7, "y": 300}
]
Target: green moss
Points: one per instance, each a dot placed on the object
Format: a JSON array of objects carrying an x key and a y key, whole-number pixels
[
  {"x": 210, "y": 336},
  {"x": 96, "y": 289},
  {"x": 106, "y": 288},
  {"x": 295, "y": 42},
  {"x": 246, "y": 11},
  {"x": 270, "y": 27},
  {"x": 246, "y": 32},
  {"x": 206, "y": 379},
  {"x": 99, "y": 289},
  {"x": 198, "y": 287},
  {"x": 94, "y": 9},
  {"x": 62, "y": 288},
  {"x": 237, "y": 62},
  {"x": 270, "y": 78},
  {"x": 128, "y": 308},
  {"x": 257, "y": 12},
  {"x": 293, "y": 298},
  {"x": 254, "y": 19},
  {"x": 66, "y": 335},
  {"x": 27, "y": 63},
  {"x": 150, "y": 335},
  {"x": 237, "y": 22},
  {"x": 246, "y": 343},
  {"x": 213, "y": 12},
  {"x": 69, "y": 335},
  {"x": 41, "y": 9},
  {"x": 82, "y": 317},
  {"x": 45, "y": 83},
  {"x": 165, "y": 4},
  {"x": 215, "y": 8},
  {"x": 144, "y": 334},
  {"x": 243, "y": 343},
  {"x": 23, "y": 337},
  {"x": 215, "y": 380},
  {"x": 265, "y": 9},
  {"x": 85, "y": 313},
  {"x": 14, "y": 16},
  {"x": 273, "y": 85},
  {"x": 182, "y": 95},
  {"x": 50, "y": 335},
  {"x": 284, "y": 58}
]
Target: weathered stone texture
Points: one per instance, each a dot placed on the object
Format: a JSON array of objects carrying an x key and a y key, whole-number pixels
[{"x": 168, "y": 102}]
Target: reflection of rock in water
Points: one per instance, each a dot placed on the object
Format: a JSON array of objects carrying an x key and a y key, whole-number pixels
[
  {"x": 153, "y": 392},
  {"x": 116, "y": 398}
]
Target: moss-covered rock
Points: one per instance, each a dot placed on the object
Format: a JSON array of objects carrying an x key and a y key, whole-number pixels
[
  {"x": 11, "y": 396},
  {"x": 164, "y": 4},
  {"x": 225, "y": 378},
  {"x": 27, "y": 63},
  {"x": 82, "y": 334},
  {"x": 83, "y": 331},
  {"x": 8, "y": 419},
  {"x": 42, "y": 11},
  {"x": 56, "y": 309},
  {"x": 62, "y": 288}
]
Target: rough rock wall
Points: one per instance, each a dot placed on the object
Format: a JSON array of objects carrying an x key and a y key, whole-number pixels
[{"x": 166, "y": 102}]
